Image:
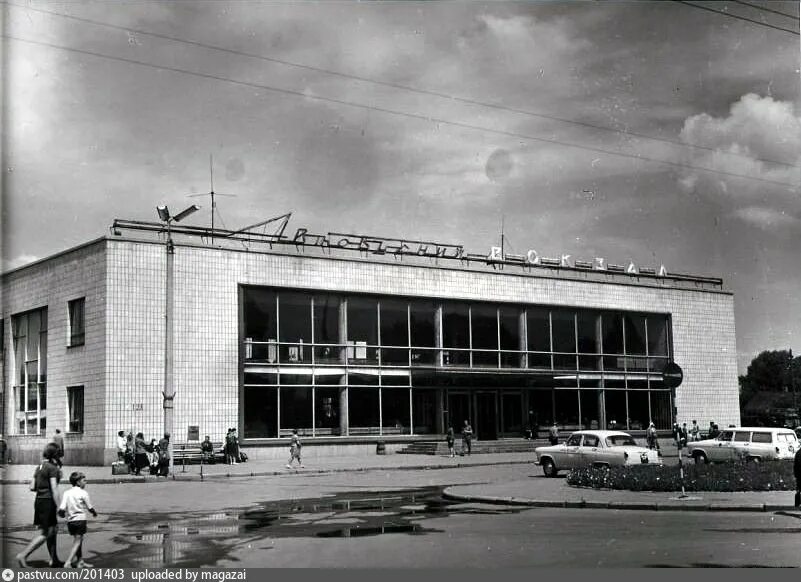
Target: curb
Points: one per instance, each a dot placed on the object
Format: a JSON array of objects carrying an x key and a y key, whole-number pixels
[
  {"x": 275, "y": 473},
  {"x": 622, "y": 505}
]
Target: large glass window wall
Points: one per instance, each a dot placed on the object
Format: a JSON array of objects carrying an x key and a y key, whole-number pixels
[{"x": 593, "y": 366}]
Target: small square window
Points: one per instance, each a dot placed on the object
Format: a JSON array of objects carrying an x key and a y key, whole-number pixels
[
  {"x": 76, "y": 331},
  {"x": 75, "y": 408}
]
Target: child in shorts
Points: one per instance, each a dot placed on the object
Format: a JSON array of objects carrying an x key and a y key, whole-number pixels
[{"x": 74, "y": 505}]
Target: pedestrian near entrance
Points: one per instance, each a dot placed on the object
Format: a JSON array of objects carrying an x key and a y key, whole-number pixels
[
  {"x": 553, "y": 434},
  {"x": 683, "y": 435},
  {"x": 695, "y": 432},
  {"x": 74, "y": 505},
  {"x": 3, "y": 450},
  {"x": 230, "y": 447},
  {"x": 450, "y": 439},
  {"x": 294, "y": 449},
  {"x": 58, "y": 439},
  {"x": 164, "y": 455},
  {"x": 467, "y": 438},
  {"x": 140, "y": 453},
  {"x": 650, "y": 437},
  {"x": 48, "y": 498},
  {"x": 121, "y": 445}
]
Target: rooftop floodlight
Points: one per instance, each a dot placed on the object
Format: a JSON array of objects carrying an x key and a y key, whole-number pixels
[
  {"x": 184, "y": 213},
  {"x": 164, "y": 213}
]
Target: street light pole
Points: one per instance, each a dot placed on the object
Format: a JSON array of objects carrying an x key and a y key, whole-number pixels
[
  {"x": 169, "y": 387},
  {"x": 168, "y": 392}
]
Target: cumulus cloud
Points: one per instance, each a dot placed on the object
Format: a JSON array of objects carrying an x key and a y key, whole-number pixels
[{"x": 761, "y": 137}]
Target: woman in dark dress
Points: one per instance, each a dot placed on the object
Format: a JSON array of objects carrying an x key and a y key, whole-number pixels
[
  {"x": 47, "y": 500},
  {"x": 140, "y": 453}
]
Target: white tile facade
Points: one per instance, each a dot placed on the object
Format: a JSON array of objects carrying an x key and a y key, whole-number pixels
[{"x": 124, "y": 355}]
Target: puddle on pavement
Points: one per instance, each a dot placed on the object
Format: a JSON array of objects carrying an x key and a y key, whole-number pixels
[{"x": 195, "y": 539}]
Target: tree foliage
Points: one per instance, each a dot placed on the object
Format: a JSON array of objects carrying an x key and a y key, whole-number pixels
[{"x": 771, "y": 371}]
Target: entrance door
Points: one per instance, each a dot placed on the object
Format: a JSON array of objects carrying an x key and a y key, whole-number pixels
[
  {"x": 458, "y": 411},
  {"x": 486, "y": 427}
]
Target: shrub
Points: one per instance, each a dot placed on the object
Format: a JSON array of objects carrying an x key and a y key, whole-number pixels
[{"x": 739, "y": 476}]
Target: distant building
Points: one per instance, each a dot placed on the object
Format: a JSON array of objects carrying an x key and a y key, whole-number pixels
[{"x": 349, "y": 341}]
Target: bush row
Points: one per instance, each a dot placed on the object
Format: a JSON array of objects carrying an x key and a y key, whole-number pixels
[{"x": 738, "y": 476}]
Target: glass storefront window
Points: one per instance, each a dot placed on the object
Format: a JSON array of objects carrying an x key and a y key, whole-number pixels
[
  {"x": 260, "y": 406},
  {"x": 509, "y": 331},
  {"x": 29, "y": 331},
  {"x": 563, "y": 326},
  {"x": 635, "y": 333},
  {"x": 456, "y": 334},
  {"x": 567, "y": 408},
  {"x": 423, "y": 331},
  {"x": 540, "y": 406},
  {"x": 326, "y": 410},
  {"x": 362, "y": 330},
  {"x": 294, "y": 327},
  {"x": 363, "y": 409},
  {"x": 296, "y": 408},
  {"x": 612, "y": 330},
  {"x": 512, "y": 415},
  {"x": 657, "y": 331},
  {"x": 639, "y": 416},
  {"x": 395, "y": 332},
  {"x": 424, "y": 411},
  {"x": 395, "y": 411},
  {"x": 326, "y": 330},
  {"x": 484, "y": 330},
  {"x": 590, "y": 411},
  {"x": 615, "y": 401},
  {"x": 661, "y": 411}
]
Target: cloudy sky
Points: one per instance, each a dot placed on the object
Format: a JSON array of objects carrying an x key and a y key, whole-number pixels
[{"x": 659, "y": 133}]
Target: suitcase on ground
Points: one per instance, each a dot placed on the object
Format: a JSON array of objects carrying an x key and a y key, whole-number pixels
[{"x": 119, "y": 468}]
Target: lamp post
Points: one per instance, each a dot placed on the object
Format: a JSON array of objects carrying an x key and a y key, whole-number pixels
[{"x": 169, "y": 388}]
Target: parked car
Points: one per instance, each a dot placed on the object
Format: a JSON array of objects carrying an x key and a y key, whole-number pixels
[
  {"x": 746, "y": 443},
  {"x": 594, "y": 447}
]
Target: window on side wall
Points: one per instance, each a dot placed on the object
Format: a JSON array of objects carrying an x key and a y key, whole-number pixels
[
  {"x": 76, "y": 309},
  {"x": 75, "y": 408}
]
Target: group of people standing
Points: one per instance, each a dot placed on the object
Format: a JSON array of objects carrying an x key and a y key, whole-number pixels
[
  {"x": 467, "y": 440},
  {"x": 138, "y": 454}
]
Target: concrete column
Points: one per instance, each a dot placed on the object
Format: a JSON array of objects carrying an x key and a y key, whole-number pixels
[
  {"x": 343, "y": 358},
  {"x": 440, "y": 427},
  {"x": 522, "y": 331}
]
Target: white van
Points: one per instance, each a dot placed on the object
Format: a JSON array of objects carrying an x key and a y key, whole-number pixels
[{"x": 746, "y": 443}]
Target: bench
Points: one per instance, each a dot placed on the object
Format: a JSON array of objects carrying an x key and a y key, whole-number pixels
[{"x": 190, "y": 453}]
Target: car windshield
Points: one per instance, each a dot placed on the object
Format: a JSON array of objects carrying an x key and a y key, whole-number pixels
[{"x": 620, "y": 440}]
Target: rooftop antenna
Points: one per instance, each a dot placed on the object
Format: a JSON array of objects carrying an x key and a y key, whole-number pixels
[{"x": 212, "y": 193}]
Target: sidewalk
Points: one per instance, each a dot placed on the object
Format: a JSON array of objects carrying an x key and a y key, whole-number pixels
[
  {"x": 533, "y": 490},
  {"x": 21, "y": 474}
]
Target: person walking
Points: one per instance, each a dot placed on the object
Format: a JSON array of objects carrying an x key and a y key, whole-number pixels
[
  {"x": 45, "y": 506},
  {"x": 467, "y": 438},
  {"x": 236, "y": 452},
  {"x": 140, "y": 454},
  {"x": 683, "y": 435},
  {"x": 164, "y": 455},
  {"x": 58, "y": 439},
  {"x": 74, "y": 505},
  {"x": 450, "y": 439},
  {"x": 294, "y": 449},
  {"x": 650, "y": 437},
  {"x": 3, "y": 450},
  {"x": 553, "y": 434}
]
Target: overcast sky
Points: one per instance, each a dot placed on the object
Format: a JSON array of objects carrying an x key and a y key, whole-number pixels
[{"x": 432, "y": 121}]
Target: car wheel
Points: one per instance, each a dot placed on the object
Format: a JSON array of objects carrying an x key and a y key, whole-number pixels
[
  {"x": 700, "y": 459},
  {"x": 549, "y": 468}
]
